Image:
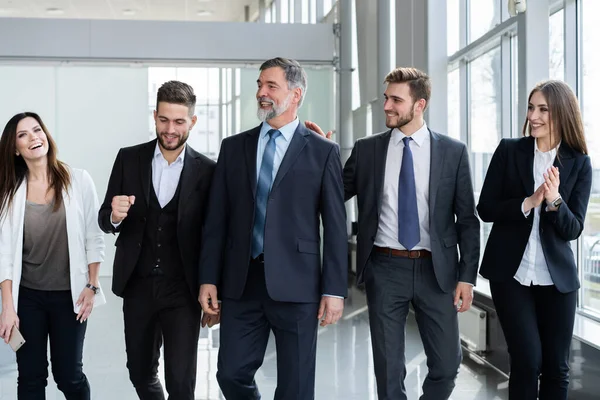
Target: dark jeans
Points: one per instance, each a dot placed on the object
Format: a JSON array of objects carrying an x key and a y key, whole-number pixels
[
  {"x": 538, "y": 326},
  {"x": 44, "y": 314}
]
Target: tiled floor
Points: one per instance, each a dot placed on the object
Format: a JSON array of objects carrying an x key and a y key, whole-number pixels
[{"x": 344, "y": 362}]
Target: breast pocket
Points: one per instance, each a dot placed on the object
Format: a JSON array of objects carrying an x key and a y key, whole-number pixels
[{"x": 308, "y": 246}]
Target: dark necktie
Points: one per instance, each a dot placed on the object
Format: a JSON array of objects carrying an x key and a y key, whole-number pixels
[
  {"x": 263, "y": 187},
  {"x": 408, "y": 214}
]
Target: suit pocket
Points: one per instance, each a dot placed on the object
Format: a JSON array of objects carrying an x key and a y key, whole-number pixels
[
  {"x": 450, "y": 241},
  {"x": 308, "y": 246}
]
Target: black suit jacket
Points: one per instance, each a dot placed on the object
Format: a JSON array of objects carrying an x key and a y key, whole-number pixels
[
  {"x": 452, "y": 215},
  {"x": 132, "y": 175},
  {"x": 307, "y": 189},
  {"x": 509, "y": 180}
]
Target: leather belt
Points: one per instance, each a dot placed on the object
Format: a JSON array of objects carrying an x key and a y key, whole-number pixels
[{"x": 403, "y": 253}]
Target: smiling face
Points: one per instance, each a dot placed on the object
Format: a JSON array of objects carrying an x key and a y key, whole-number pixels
[
  {"x": 538, "y": 116},
  {"x": 31, "y": 140},
  {"x": 173, "y": 125},
  {"x": 274, "y": 96}
]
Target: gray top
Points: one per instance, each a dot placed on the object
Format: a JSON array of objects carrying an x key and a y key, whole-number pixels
[{"x": 45, "y": 248}]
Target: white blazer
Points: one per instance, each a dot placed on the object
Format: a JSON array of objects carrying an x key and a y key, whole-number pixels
[{"x": 85, "y": 239}]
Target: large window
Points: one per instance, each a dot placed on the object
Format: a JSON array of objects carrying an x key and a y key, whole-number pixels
[
  {"x": 454, "y": 104},
  {"x": 453, "y": 16},
  {"x": 483, "y": 16},
  {"x": 590, "y": 87},
  {"x": 557, "y": 45},
  {"x": 485, "y": 107}
]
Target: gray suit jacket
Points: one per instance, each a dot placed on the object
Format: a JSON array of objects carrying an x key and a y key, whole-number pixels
[{"x": 453, "y": 219}]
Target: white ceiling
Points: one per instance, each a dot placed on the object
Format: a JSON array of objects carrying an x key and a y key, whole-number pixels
[{"x": 170, "y": 10}]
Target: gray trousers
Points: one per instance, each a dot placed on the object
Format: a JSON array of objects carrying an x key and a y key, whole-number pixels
[{"x": 391, "y": 284}]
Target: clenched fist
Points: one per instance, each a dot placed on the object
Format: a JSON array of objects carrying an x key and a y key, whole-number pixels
[{"x": 120, "y": 207}]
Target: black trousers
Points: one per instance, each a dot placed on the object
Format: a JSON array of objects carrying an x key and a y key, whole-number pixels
[
  {"x": 538, "y": 326},
  {"x": 44, "y": 314},
  {"x": 392, "y": 284},
  {"x": 245, "y": 327},
  {"x": 159, "y": 310}
]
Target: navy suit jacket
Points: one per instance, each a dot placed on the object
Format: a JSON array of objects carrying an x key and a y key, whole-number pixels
[
  {"x": 307, "y": 189},
  {"x": 453, "y": 221},
  {"x": 509, "y": 180}
]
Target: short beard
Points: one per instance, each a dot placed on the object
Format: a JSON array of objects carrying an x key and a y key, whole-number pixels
[
  {"x": 178, "y": 145},
  {"x": 275, "y": 111},
  {"x": 402, "y": 120}
]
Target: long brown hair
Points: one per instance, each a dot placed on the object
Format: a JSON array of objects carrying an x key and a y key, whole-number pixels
[
  {"x": 13, "y": 169},
  {"x": 565, "y": 115}
]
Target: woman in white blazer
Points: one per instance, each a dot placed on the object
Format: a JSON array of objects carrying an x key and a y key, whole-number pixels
[{"x": 51, "y": 248}]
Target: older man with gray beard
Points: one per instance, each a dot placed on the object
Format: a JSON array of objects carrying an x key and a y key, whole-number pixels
[{"x": 273, "y": 186}]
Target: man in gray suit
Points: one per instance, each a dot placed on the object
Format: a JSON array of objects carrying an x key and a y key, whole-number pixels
[{"x": 415, "y": 210}]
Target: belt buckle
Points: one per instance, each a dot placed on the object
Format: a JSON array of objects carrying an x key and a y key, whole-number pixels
[{"x": 414, "y": 254}]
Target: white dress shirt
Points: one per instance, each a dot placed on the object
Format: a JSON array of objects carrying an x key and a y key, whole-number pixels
[
  {"x": 533, "y": 269},
  {"x": 282, "y": 142},
  {"x": 165, "y": 177},
  {"x": 387, "y": 232}
]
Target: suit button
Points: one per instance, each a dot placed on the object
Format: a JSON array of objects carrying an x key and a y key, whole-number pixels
[
  {"x": 139, "y": 245},
  {"x": 159, "y": 245}
]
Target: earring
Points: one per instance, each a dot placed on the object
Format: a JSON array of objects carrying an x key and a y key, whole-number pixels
[{"x": 17, "y": 154}]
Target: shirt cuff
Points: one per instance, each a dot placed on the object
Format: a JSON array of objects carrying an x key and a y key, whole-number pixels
[
  {"x": 525, "y": 214},
  {"x": 331, "y": 295},
  {"x": 113, "y": 224},
  {"x": 468, "y": 283}
]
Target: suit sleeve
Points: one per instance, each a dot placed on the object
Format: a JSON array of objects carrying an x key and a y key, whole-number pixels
[
  {"x": 335, "y": 237},
  {"x": 493, "y": 206},
  {"x": 467, "y": 223},
  {"x": 214, "y": 231},
  {"x": 114, "y": 189},
  {"x": 350, "y": 174},
  {"x": 568, "y": 219}
]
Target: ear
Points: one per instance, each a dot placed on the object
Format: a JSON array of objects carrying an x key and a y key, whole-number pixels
[
  {"x": 420, "y": 105},
  {"x": 297, "y": 95},
  {"x": 194, "y": 120}
]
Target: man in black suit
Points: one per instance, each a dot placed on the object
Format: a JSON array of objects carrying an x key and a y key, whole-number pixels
[
  {"x": 273, "y": 185},
  {"x": 156, "y": 201},
  {"x": 415, "y": 210}
]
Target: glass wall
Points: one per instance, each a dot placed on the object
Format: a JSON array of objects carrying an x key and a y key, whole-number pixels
[
  {"x": 590, "y": 87},
  {"x": 486, "y": 77}
]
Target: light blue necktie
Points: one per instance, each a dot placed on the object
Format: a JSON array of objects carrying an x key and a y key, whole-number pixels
[
  {"x": 408, "y": 213},
  {"x": 263, "y": 187}
]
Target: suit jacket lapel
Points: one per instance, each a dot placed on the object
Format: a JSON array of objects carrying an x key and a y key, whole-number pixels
[
  {"x": 525, "y": 164},
  {"x": 146, "y": 154},
  {"x": 250, "y": 146},
  {"x": 438, "y": 153},
  {"x": 564, "y": 162},
  {"x": 381, "y": 148},
  {"x": 188, "y": 180},
  {"x": 299, "y": 140}
]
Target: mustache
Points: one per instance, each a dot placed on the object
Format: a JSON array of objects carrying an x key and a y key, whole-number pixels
[{"x": 265, "y": 100}]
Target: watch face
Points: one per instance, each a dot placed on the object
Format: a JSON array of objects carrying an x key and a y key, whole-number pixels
[{"x": 558, "y": 202}]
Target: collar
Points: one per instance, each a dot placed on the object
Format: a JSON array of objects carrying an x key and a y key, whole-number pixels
[
  {"x": 419, "y": 137},
  {"x": 552, "y": 152},
  {"x": 287, "y": 131},
  {"x": 159, "y": 154}
]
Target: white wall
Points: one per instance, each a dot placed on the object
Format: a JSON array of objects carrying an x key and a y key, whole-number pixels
[{"x": 90, "y": 111}]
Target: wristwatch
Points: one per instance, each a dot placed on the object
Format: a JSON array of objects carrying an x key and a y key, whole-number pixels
[
  {"x": 92, "y": 288},
  {"x": 556, "y": 203}
]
